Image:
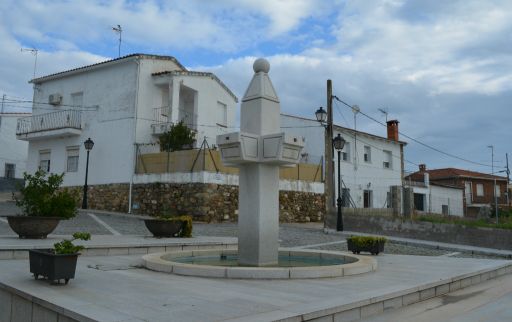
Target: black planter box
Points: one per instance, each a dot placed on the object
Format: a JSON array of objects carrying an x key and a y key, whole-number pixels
[
  {"x": 53, "y": 267},
  {"x": 374, "y": 249}
]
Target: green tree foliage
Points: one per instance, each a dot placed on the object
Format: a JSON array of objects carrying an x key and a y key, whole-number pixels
[
  {"x": 42, "y": 196},
  {"x": 177, "y": 138}
]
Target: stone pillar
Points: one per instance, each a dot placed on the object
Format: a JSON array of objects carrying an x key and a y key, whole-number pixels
[{"x": 408, "y": 196}]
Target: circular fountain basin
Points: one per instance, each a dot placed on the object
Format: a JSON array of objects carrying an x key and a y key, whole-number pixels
[{"x": 293, "y": 264}]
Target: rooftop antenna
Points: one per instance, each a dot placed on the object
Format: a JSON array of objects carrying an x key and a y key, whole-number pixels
[
  {"x": 118, "y": 30},
  {"x": 385, "y": 112},
  {"x": 33, "y": 51}
]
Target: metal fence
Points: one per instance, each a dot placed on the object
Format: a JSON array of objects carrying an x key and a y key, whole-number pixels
[{"x": 49, "y": 121}]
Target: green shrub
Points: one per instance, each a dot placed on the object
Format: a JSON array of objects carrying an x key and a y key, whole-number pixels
[
  {"x": 176, "y": 138},
  {"x": 366, "y": 241},
  {"x": 186, "y": 231},
  {"x": 67, "y": 247},
  {"x": 42, "y": 196}
]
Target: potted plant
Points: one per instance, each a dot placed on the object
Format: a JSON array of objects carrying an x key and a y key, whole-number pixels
[
  {"x": 169, "y": 225},
  {"x": 57, "y": 263},
  {"x": 43, "y": 204},
  {"x": 371, "y": 244}
]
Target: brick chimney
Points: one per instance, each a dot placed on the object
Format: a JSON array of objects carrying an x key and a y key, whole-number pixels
[
  {"x": 393, "y": 130},
  {"x": 423, "y": 167}
]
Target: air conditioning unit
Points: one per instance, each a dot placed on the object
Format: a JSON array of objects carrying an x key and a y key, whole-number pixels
[{"x": 55, "y": 99}]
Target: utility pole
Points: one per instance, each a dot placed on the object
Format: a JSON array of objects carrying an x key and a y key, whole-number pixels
[
  {"x": 508, "y": 180},
  {"x": 2, "y": 111},
  {"x": 329, "y": 167},
  {"x": 494, "y": 186}
]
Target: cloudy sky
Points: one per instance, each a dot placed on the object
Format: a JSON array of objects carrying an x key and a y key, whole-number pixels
[{"x": 442, "y": 68}]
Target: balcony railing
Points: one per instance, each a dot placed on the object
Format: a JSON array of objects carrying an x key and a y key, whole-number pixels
[
  {"x": 161, "y": 114},
  {"x": 49, "y": 121}
]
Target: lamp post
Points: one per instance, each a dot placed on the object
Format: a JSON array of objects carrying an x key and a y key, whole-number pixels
[
  {"x": 88, "y": 146},
  {"x": 494, "y": 184},
  {"x": 338, "y": 143}
]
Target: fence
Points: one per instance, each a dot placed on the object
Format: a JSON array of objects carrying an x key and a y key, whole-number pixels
[
  {"x": 150, "y": 160},
  {"x": 49, "y": 121}
]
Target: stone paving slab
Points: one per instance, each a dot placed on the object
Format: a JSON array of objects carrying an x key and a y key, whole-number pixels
[{"x": 125, "y": 293}]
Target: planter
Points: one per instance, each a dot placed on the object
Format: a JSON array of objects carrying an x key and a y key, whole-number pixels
[
  {"x": 374, "y": 249},
  {"x": 164, "y": 228},
  {"x": 53, "y": 267},
  {"x": 32, "y": 226}
]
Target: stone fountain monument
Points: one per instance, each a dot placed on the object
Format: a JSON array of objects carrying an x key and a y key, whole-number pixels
[{"x": 258, "y": 150}]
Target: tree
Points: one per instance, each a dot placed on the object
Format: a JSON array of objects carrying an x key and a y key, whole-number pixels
[{"x": 177, "y": 138}]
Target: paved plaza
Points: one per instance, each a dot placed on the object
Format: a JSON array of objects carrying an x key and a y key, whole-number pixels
[{"x": 111, "y": 284}]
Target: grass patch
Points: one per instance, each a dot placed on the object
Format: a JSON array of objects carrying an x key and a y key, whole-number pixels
[{"x": 505, "y": 222}]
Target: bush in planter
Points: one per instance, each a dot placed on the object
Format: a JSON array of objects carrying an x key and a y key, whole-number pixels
[
  {"x": 371, "y": 244},
  {"x": 57, "y": 263},
  {"x": 186, "y": 230},
  {"x": 42, "y": 197},
  {"x": 43, "y": 204}
]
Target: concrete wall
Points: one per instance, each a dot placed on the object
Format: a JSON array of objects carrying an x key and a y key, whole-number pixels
[
  {"x": 12, "y": 151},
  {"x": 357, "y": 174},
  {"x": 448, "y": 233},
  {"x": 437, "y": 196}
]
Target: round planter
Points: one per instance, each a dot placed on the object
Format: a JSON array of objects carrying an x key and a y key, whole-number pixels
[
  {"x": 33, "y": 227},
  {"x": 164, "y": 228}
]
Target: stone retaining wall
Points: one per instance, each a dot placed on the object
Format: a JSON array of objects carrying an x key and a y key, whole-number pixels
[
  {"x": 205, "y": 201},
  {"x": 448, "y": 233}
]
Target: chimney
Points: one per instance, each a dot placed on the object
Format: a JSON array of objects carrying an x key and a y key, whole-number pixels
[
  {"x": 393, "y": 130},
  {"x": 423, "y": 167}
]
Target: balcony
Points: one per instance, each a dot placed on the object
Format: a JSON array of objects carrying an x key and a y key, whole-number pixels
[
  {"x": 161, "y": 120},
  {"x": 55, "y": 124}
]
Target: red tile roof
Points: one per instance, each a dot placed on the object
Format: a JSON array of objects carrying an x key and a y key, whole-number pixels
[{"x": 447, "y": 173}]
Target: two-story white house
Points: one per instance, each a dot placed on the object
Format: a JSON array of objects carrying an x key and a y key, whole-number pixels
[
  {"x": 370, "y": 164},
  {"x": 118, "y": 103},
  {"x": 13, "y": 153}
]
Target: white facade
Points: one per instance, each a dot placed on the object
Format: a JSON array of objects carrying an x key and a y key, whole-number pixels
[
  {"x": 437, "y": 199},
  {"x": 368, "y": 178},
  {"x": 118, "y": 103},
  {"x": 13, "y": 153}
]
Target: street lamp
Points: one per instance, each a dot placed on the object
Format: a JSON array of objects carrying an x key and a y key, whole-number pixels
[
  {"x": 338, "y": 143},
  {"x": 494, "y": 185},
  {"x": 321, "y": 115},
  {"x": 88, "y": 146}
]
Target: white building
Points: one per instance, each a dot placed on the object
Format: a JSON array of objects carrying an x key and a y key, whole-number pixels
[
  {"x": 370, "y": 164},
  {"x": 436, "y": 198},
  {"x": 118, "y": 103},
  {"x": 13, "y": 153}
]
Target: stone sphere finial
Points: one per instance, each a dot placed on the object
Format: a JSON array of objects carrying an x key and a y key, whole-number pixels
[{"x": 261, "y": 65}]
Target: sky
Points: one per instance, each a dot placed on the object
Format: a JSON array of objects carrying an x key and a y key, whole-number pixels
[{"x": 442, "y": 68}]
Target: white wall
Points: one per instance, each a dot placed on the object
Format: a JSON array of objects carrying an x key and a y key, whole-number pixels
[
  {"x": 357, "y": 174},
  {"x": 12, "y": 150},
  {"x": 437, "y": 196},
  {"x": 107, "y": 118}
]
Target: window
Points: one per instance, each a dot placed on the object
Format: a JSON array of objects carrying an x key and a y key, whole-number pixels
[
  {"x": 77, "y": 99},
  {"x": 368, "y": 196},
  {"x": 479, "y": 190},
  {"x": 387, "y": 163},
  {"x": 222, "y": 114},
  {"x": 72, "y": 154},
  {"x": 497, "y": 190},
  {"x": 367, "y": 154},
  {"x": 44, "y": 160},
  {"x": 10, "y": 169},
  {"x": 345, "y": 152}
]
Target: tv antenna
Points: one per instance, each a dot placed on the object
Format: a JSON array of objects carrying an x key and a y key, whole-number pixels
[
  {"x": 385, "y": 112},
  {"x": 118, "y": 30},
  {"x": 33, "y": 51}
]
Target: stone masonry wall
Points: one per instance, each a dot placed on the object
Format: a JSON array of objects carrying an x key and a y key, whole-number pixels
[{"x": 204, "y": 201}]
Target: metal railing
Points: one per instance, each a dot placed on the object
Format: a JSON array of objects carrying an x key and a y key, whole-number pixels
[
  {"x": 49, "y": 121},
  {"x": 161, "y": 114}
]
